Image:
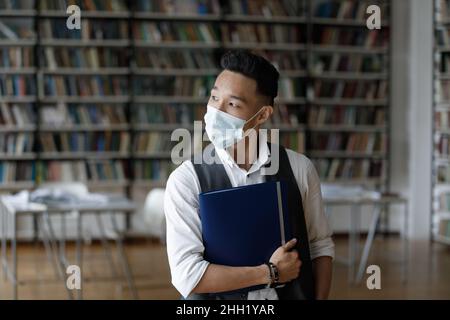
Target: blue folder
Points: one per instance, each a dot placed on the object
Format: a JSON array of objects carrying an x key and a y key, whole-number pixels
[{"x": 243, "y": 226}]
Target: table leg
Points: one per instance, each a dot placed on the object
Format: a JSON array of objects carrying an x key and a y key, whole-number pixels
[
  {"x": 3, "y": 258},
  {"x": 79, "y": 252},
  {"x": 352, "y": 243},
  {"x": 14, "y": 257},
  {"x": 106, "y": 246},
  {"x": 123, "y": 258},
  {"x": 405, "y": 244},
  {"x": 368, "y": 243}
]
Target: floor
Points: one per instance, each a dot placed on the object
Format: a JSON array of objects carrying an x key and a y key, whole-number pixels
[{"x": 428, "y": 275}]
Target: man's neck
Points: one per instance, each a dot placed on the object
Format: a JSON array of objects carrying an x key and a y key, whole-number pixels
[{"x": 249, "y": 156}]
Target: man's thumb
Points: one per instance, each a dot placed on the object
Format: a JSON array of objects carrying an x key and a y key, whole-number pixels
[{"x": 290, "y": 244}]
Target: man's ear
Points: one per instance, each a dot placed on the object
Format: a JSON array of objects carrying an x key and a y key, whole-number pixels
[{"x": 265, "y": 114}]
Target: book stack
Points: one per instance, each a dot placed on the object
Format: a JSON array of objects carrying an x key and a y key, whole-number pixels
[{"x": 441, "y": 103}]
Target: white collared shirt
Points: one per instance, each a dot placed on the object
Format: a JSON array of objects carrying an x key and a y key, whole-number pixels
[{"x": 184, "y": 231}]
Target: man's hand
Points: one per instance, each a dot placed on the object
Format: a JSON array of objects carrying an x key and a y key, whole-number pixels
[{"x": 287, "y": 261}]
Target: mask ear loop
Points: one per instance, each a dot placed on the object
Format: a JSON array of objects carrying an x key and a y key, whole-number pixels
[{"x": 245, "y": 133}]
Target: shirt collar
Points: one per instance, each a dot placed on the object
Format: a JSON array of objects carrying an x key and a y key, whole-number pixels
[{"x": 264, "y": 154}]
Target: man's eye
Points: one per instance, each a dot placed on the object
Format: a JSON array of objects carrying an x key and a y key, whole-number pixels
[
  {"x": 214, "y": 98},
  {"x": 233, "y": 105}
]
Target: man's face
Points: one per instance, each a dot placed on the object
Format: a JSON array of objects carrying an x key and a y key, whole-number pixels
[{"x": 237, "y": 95}]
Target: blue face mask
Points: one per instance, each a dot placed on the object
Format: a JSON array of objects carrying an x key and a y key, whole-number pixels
[{"x": 223, "y": 129}]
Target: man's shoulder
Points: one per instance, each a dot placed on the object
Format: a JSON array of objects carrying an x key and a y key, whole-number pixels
[
  {"x": 298, "y": 159},
  {"x": 184, "y": 173}
]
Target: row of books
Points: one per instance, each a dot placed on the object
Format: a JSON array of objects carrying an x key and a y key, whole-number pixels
[
  {"x": 266, "y": 8},
  {"x": 168, "y": 113},
  {"x": 98, "y": 29},
  {"x": 444, "y": 227},
  {"x": 348, "y": 36},
  {"x": 346, "y": 115},
  {"x": 348, "y": 142},
  {"x": 442, "y": 120},
  {"x": 442, "y": 145},
  {"x": 91, "y": 170},
  {"x": 443, "y": 201},
  {"x": 96, "y": 85},
  {"x": 16, "y": 143},
  {"x": 262, "y": 33},
  {"x": 157, "y": 32},
  {"x": 176, "y": 59},
  {"x": 352, "y": 62},
  {"x": 17, "y": 85},
  {"x": 442, "y": 36},
  {"x": 63, "y": 114},
  {"x": 17, "y": 5},
  {"x": 16, "y": 57},
  {"x": 148, "y": 142},
  {"x": 85, "y": 141},
  {"x": 443, "y": 173},
  {"x": 16, "y": 115},
  {"x": 91, "y": 57},
  {"x": 443, "y": 9},
  {"x": 368, "y": 90},
  {"x": 293, "y": 140},
  {"x": 173, "y": 86},
  {"x": 11, "y": 171},
  {"x": 347, "y": 9},
  {"x": 85, "y": 5},
  {"x": 444, "y": 62},
  {"x": 179, "y": 6},
  {"x": 443, "y": 90},
  {"x": 155, "y": 170},
  {"x": 16, "y": 29},
  {"x": 336, "y": 169}
]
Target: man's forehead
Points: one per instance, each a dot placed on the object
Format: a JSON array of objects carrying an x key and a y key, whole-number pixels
[{"x": 236, "y": 83}]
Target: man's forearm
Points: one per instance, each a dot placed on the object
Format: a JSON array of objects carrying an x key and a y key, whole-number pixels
[
  {"x": 322, "y": 268},
  {"x": 218, "y": 278}
]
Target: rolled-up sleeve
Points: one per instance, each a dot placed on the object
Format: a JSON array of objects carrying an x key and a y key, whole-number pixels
[
  {"x": 184, "y": 235},
  {"x": 319, "y": 231}
]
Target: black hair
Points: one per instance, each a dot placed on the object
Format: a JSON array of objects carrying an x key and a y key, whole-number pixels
[{"x": 255, "y": 67}]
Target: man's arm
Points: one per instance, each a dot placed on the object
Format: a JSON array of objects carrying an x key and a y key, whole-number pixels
[
  {"x": 322, "y": 269},
  {"x": 218, "y": 278}
]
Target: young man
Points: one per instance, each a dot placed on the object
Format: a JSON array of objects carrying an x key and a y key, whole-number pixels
[{"x": 242, "y": 99}]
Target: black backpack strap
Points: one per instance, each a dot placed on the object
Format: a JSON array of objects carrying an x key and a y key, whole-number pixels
[{"x": 302, "y": 287}]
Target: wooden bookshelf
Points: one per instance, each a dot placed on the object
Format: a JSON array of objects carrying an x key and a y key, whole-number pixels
[
  {"x": 441, "y": 129},
  {"x": 304, "y": 60}
]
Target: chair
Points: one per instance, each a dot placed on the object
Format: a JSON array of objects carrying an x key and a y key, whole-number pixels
[{"x": 153, "y": 213}]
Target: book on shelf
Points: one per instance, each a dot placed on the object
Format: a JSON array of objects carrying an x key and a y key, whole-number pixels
[
  {"x": 444, "y": 228},
  {"x": 348, "y": 62},
  {"x": 442, "y": 145},
  {"x": 16, "y": 57},
  {"x": 291, "y": 88},
  {"x": 82, "y": 170},
  {"x": 16, "y": 29},
  {"x": 17, "y": 4},
  {"x": 91, "y": 29},
  {"x": 346, "y": 9},
  {"x": 89, "y": 58},
  {"x": 95, "y": 85},
  {"x": 349, "y": 36},
  {"x": 84, "y": 142},
  {"x": 443, "y": 174},
  {"x": 443, "y": 201},
  {"x": 152, "y": 170},
  {"x": 199, "y": 7},
  {"x": 287, "y": 115},
  {"x": 441, "y": 120},
  {"x": 173, "y": 86},
  {"x": 85, "y": 5},
  {"x": 168, "y": 114},
  {"x": 237, "y": 33},
  {"x": 16, "y": 143},
  {"x": 266, "y": 8},
  {"x": 160, "y": 32},
  {"x": 346, "y": 115},
  {"x": 63, "y": 114},
  {"x": 347, "y": 169},
  {"x": 18, "y": 115},
  {"x": 151, "y": 142},
  {"x": 16, "y": 171},
  {"x": 350, "y": 89},
  {"x": 17, "y": 85},
  {"x": 293, "y": 140},
  {"x": 175, "y": 59},
  {"x": 348, "y": 142}
]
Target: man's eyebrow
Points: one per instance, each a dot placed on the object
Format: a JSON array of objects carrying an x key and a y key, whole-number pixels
[{"x": 239, "y": 98}]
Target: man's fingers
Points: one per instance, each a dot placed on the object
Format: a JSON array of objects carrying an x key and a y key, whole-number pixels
[{"x": 290, "y": 244}]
